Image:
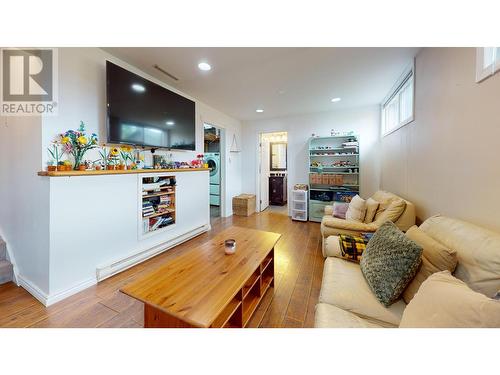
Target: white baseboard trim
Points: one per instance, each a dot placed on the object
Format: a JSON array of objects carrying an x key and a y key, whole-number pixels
[
  {"x": 32, "y": 289},
  {"x": 53, "y": 298},
  {"x": 47, "y": 299},
  {"x": 120, "y": 265},
  {"x": 107, "y": 270}
]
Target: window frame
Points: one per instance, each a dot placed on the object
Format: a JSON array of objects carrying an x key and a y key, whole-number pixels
[
  {"x": 484, "y": 72},
  {"x": 396, "y": 91}
]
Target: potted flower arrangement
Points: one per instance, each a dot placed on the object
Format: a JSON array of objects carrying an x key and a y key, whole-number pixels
[
  {"x": 55, "y": 155},
  {"x": 77, "y": 143}
]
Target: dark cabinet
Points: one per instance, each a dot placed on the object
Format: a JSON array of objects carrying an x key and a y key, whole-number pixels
[{"x": 277, "y": 190}]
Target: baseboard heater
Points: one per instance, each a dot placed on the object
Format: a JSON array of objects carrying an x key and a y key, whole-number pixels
[{"x": 108, "y": 270}]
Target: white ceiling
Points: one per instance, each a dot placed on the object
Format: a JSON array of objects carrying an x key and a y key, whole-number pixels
[{"x": 282, "y": 81}]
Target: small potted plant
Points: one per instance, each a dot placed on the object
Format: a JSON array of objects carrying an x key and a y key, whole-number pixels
[
  {"x": 55, "y": 154},
  {"x": 126, "y": 155},
  {"x": 113, "y": 158}
]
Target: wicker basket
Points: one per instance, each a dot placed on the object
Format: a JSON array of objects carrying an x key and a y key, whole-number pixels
[{"x": 244, "y": 204}]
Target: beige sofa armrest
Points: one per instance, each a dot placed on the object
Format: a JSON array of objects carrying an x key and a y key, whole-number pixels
[
  {"x": 329, "y": 210},
  {"x": 334, "y": 222}
]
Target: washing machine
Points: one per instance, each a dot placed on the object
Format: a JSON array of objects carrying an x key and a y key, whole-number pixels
[{"x": 213, "y": 161}]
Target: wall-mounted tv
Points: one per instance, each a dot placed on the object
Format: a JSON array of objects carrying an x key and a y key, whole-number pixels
[{"x": 143, "y": 113}]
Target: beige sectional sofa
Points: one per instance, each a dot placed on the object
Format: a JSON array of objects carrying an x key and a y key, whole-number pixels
[
  {"x": 346, "y": 300},
  {"x": 331, "y": 226}
]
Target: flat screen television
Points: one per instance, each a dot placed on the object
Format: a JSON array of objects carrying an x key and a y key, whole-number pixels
[{"x": 143, "y": 113}]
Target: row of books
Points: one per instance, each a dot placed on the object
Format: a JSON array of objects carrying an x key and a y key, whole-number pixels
[
  {"x": 155, "y": 223},
  {"x": 147, "y": 208}
]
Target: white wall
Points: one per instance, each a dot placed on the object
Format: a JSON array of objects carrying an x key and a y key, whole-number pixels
[
  {"x": 364, "y": 121},
  {"x": 82, "y": 97},
  {"x": 24, "y": 207},
  {"x": 447, "y": 160}
]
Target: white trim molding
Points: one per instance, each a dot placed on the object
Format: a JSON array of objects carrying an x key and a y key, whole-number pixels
[
  {"x": 119, "y": 265},
  {"x": 487, "y": 62}
]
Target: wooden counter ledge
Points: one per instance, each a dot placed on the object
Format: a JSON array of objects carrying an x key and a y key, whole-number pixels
[{"x": 128, "y": 171}]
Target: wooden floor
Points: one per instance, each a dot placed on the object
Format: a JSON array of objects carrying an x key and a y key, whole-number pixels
[{"x": 299, "y": 266}]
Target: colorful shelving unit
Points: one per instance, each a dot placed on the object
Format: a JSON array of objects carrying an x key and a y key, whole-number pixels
[{"x": 333, "y": 172}]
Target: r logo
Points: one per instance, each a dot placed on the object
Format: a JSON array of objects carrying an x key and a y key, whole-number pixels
[{"x": 27, "y": 75}]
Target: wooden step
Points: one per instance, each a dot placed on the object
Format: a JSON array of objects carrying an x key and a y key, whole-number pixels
[{"x": 6, "y": 271}]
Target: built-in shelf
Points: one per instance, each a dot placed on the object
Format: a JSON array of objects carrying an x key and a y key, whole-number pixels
[{"x": 159, "y": 203}]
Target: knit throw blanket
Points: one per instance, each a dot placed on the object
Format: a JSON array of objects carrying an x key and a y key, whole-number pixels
[{"x": 352, "y": 247}]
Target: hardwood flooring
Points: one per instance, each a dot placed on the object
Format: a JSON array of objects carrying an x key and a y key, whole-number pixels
[{"x": 299, "y": 267}]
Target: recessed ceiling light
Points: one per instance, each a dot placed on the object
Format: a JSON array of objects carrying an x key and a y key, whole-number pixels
[
  {"x": 137, "y": 87},
  {"x": 259, "y": 110},
  {"x": 170, "y": 123},
  {"x": 335, "y": 100},
  {"x": 204, "y": 66}
]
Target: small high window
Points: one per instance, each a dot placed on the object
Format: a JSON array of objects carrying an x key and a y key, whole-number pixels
[{"x": 398, "y": 106}]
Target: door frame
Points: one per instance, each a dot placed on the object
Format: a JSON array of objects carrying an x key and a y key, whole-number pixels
[
  {"x": 258, "y": 164},
  {"x": 222, "y": 152}
]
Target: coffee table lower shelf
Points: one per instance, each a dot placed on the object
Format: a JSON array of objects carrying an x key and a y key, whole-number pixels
[{"x": 236, "y": 313}]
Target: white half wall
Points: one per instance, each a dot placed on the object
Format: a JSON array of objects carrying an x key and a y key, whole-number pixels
[
  {"x": 447, "y": 160},
  {"x": 364, "y": 121}
]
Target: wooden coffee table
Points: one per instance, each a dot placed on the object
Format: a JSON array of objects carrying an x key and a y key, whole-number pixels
[{"x": 204, "y": 287}]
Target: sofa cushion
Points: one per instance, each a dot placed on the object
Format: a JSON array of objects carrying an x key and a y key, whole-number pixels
[
  {"x": 356, "y": 210},
  {"x": 443, "y": 301},
  {"x": 390, "y": 262},
  {"x": 478, "y": 251},
  {"x": 391, "y": 213},
  {"x": 435, "y": 257},
  {"x": 345, "y": 287},
  {"x": 329, "y": 316},
  {"x": 371, "y": 209},
  {"x": 340, "y": 209},
  {"x": 384, "y": 198}
]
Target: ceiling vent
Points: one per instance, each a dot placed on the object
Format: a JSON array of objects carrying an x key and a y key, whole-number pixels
[{"x": 157, "y": 67}]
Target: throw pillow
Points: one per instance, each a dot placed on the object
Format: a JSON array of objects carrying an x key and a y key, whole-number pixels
[
  {"x": 443, "y": 301},
  {"x": 356, "y": 210},
  {"x": 340, "y": 209},
  {"x": 392, "y": 212},
  {"x": 352, "y": 247},
  {"x": 371, "y": 209},
  {"x": 390, "y": 262},
  {"x": 435, "y": 258}
]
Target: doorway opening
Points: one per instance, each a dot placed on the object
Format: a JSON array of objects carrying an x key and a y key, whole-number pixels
[
  {"x": 213, "y": 147},
  {"x": 273, "y": 172}
]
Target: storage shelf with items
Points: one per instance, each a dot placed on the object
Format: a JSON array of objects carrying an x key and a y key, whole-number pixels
[
  {"x": 334, "y": 170},
  {"x": 158, "y": 203}
]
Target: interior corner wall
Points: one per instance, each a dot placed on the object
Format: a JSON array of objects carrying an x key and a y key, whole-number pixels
[
  {"x": 24, "y": 197},
  {"x": 364, "y": 121},
  {"x": 82, "y": 97},
  {"x": 447, "y": 160}
]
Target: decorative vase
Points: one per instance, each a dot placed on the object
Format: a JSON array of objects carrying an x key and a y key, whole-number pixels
[
  {"x": 51, "y": 168},
  {"x": 110, "y": 167},
  {"x": 61, "y": 168},
  {"x": 81, "y": 167},
  {"x": 97, "y": 167}
]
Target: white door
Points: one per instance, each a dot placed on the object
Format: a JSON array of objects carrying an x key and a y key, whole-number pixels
[{"x": 264, "y": 173}]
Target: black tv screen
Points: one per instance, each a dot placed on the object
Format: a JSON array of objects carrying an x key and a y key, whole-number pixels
[{"x": 143, "y": 113}]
